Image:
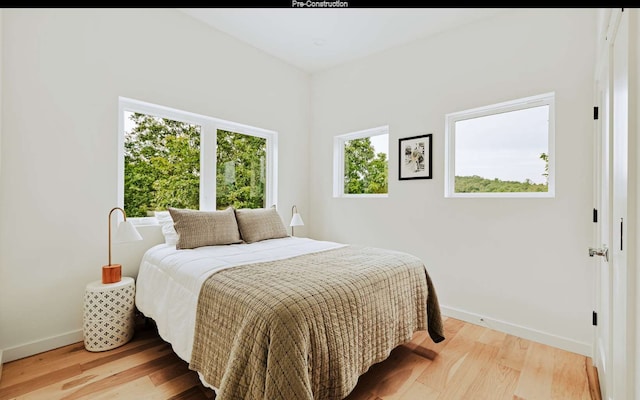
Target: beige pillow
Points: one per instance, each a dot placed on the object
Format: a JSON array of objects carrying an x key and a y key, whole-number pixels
[
  {"x": 260, "y": 224},
  {"x": 204, "y": 228}
]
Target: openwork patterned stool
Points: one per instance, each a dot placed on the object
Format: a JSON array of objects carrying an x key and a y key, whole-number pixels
[{"x": 108, "y": 314}]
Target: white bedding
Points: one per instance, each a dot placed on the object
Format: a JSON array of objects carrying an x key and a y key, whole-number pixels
[{"x": 169, "y": 280}]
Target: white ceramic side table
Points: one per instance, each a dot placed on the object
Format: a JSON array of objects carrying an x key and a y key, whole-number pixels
[{"x": 109, "y": 314}]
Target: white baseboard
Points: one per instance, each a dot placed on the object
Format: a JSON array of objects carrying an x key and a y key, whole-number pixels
[
  {"x": 39, "y": 346},
  {"x": 534, "y": 335},
  {"x": 0, "y": 365}
]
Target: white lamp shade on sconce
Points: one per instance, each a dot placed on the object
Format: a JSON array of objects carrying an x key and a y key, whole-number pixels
[
  {"x": 126, "y": 232},
  {"x": 296, "y": 220}
]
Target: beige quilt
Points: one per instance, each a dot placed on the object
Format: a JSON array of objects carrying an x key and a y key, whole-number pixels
[{"x": 307, "y": 327}]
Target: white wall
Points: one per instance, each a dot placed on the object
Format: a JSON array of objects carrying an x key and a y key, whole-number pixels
[
  {"x": 63, "y": 72},
  {"x": 634, "y": 132},
  {"x": 520, "y": 264},
  {"x": 1, "y": 17}
]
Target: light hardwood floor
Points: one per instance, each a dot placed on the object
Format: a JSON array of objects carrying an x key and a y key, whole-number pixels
[{"x": 473, "y": 363}]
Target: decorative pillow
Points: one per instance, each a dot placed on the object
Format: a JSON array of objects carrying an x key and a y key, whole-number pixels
[
  {"x": 260, "y": 224},
  {"x": 204, "y": 228},
  {"x": 166, "y": 223}
]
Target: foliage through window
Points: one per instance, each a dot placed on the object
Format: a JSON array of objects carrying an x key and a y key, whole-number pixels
[
  {"x": 361, "y": 163},
  {"x": 177, "y": 159},
  {"x": 162, "y": 165},
  {"x": 240, "y": 167},
  {"x": 502, "y": 150}
]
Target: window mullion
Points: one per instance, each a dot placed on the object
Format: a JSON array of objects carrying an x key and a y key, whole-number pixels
[
  {"x": 272, "y": 166},
  {"x": 208, "y": 151}
]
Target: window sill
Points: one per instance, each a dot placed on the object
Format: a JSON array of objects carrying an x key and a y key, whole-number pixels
[
  {"x": 360, "y": 196},
  {"x": 516, "y": 195},
  {"x": 143, "y": 221}
]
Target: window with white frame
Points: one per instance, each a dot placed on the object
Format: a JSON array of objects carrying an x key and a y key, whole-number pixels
[
  {"x": 173, "y": 158},
  {"x": 502, "y": 150},
  {"x": 361, "y": 163}
]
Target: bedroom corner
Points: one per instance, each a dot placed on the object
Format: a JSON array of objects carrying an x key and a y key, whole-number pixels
[{"x": 59, "y": 170}]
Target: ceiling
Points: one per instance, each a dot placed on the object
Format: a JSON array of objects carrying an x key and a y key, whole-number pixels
[{"x": 320, "y": 38}]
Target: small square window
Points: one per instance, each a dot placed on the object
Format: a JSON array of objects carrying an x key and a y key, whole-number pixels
[{"x": 361, "y": 163}]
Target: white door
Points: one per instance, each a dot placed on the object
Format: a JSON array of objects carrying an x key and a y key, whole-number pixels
[
  {"x": 613, "y": 279},
  {"x": 622, "y": 318},
  {"x": 602, "y": 238}
]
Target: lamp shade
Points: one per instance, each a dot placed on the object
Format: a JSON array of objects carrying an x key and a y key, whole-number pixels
[
  {"x": 296, "y": 220},
  {"x": 126, "y": 232}
]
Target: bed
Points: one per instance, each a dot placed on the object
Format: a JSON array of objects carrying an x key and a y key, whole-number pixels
[{"x": 263, "y": 315}]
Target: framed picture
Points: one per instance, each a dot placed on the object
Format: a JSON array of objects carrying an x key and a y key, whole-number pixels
[{"x": 415, "y": 157}]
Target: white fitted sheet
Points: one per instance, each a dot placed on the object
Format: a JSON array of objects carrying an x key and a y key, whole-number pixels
[{"x": 169, "y": 280}]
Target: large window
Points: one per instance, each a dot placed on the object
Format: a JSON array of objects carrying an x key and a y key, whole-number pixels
[
  {"x": 172, "y": 158},
  {"x": 502, "y": 150},
  {"x": 361, "y": 166}
]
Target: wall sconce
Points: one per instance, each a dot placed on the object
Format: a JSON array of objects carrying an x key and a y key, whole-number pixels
[
  {"x": 296, "y": 219},
  {"x": 125, "y": 232}
]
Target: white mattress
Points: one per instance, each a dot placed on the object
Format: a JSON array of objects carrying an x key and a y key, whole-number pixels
[{"x": 169, "y": 280}]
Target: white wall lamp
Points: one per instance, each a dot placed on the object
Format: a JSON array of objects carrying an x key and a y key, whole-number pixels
[
  {"x": 125, "y": 232},
  {"x": 296, "y": 219}
]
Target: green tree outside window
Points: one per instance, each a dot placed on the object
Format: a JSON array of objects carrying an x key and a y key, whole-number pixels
[
  {"x": 365, "y": 172},
  {"x": 161, "y": 165},
  {"x": 240, "y": 170}
]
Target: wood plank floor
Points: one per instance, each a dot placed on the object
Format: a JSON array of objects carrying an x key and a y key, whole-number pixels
[{"x": 474, "y": 362}]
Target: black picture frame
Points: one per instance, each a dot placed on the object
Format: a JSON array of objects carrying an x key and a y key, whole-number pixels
[{"x": 415, "y": 157}]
